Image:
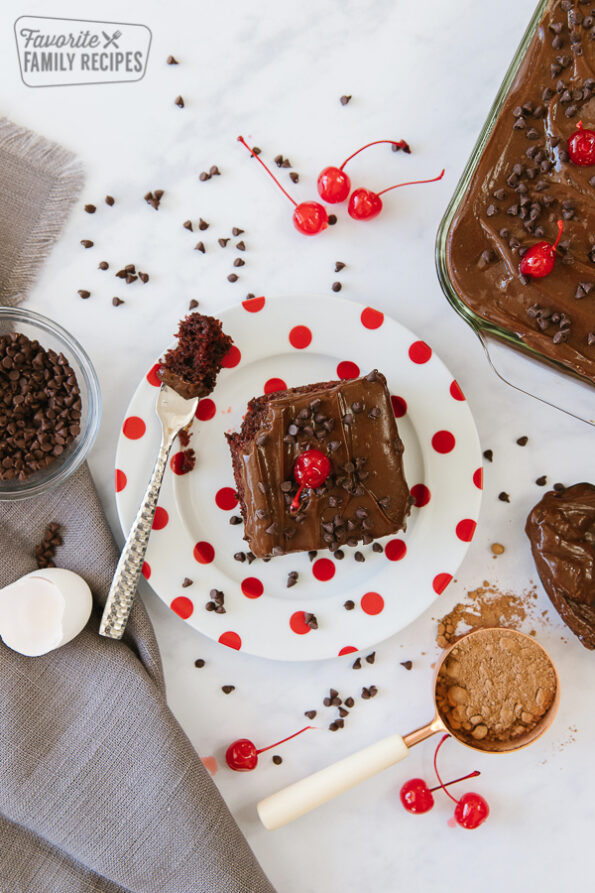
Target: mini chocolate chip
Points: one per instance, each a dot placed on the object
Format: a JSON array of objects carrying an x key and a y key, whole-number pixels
[
  {"x": 241, "y": 245},
  {"x": 235, "y": 519},
  {"x": 200, "y": 246},
  {"x": 371, "y": 658},
  {"x": 202, "y": 224},
  {"x": 179, "y": 102},
  {"x": 199, "y": 663},
  {"x": 103, "y": 265},
  {"x": 349, "y": 702},
  {"x": 223, "y": 242},
  {"x": 310, "y": 714},
  {"x": 83, "y": 293},
  {"x": 559, "y": 488},
  {"x": 523, "y": 441},
  {"x": 144, "y": 277},
  {"x": 236, "y": 231},
  {"x": 240, "y": 556},
  {"x": 109, "y": 200},
  {"x": 227, "y": 689},
  {"x": 186, "y": 582},
  {"x": 214, "y": 171},
  {"x": 489, "y": 455},
  {"x": 407, "y": 664},
  {"x": 357, "y": 664},
  {"x": 87, "y": 243},
  {"x": 503, "y": 496},
  {"x": 239, "y": 262},
  {"x": 203, "y": 176},
  {"x": 117, "y": 301},
  {"x": 90, "y": 209},
  {"x": 332, "y": 219},
  {"x": 349, "y": 605},
  {"x": 193, "y": 304},
  {"x": 377, "y": 547},
  {"x": 541, "y": 481},
  {"x": 344, "y": 99},
  {"x": 333, "y": 727},
  {"x": 312, "y": 554},
  {"x": 172, "y": 61},
  {"x": 294, "y": 177},
  {"x": 277, "y": 760},
  {"x": 233, "y": 277},
  {"x": 336, "y": 286}
]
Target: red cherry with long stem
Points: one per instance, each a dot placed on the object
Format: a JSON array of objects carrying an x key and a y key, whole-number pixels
[
  {"x": 365, "y": 204},
  {"x": 310, "y": 469},
  {"x": 334, "y": 184},
  {"x": 581, "y": 146},
  {"x": 416, "y": 796},
  {"x": 309, "y": 218},
  {"x": 242, "y": 755},
  {"x": 539, "y": 259},
  {"x": 472, "y": 809}
]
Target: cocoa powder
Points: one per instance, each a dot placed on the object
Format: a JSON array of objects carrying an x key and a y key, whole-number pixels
[
  {"x": 486, "y": 607},
  {"x": 494, "y": 687}
]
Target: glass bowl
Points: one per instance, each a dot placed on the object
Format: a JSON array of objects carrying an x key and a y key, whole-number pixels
[
  {"x": 524, "y": 368},
  {"x": 52, "y": 336}
]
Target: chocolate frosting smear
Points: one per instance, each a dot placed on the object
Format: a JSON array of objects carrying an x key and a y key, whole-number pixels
[{"x": 561, "y": 528}]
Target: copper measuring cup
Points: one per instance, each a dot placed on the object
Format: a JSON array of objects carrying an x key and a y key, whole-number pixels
[{"x": 301, "y": 797}]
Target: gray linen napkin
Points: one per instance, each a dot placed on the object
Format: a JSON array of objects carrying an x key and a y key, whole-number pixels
[
  {"x": 39, "y": 181},
  {"x": 100, "y": 789}
]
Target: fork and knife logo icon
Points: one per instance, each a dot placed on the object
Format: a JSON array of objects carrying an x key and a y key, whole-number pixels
[{"x": 111, "y": 40}]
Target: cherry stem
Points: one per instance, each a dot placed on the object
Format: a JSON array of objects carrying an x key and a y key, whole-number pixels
[
  {"x": 296, "y": 499},
  {"x": 270, "y": 173},
  {"x": 412, "y": 183},
  {"x": 289, "y": 737},
  {"x": 455, "y": 780},
  {"x": 560, "y": 228},
  {"x": 400, "y": 143},
  {"x": 442, "y": 785}
]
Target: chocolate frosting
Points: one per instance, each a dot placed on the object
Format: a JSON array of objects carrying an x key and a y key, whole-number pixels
[
  {"x": 365, "y": 496},
  {"x": 561, "y": 529},
  {"x": 523, "y": 184}
]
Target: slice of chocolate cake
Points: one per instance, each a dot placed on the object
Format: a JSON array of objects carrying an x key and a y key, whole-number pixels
[
  {"x": 364, "y": 495},
  {"x": 192, "y": 366}
]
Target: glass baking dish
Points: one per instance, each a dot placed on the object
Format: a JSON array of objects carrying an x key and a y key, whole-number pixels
[{"x": 524, "y": 368}]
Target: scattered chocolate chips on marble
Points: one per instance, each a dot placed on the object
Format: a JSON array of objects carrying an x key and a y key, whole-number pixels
[{"x": 216, "y": 603}]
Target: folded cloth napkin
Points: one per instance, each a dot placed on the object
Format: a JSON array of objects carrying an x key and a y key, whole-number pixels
[
  {"x": 39, "y": 182},
  {"x": 100, "y": 789}
]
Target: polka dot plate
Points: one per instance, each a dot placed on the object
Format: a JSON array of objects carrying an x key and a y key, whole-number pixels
[{"x": 278, "y": 343}]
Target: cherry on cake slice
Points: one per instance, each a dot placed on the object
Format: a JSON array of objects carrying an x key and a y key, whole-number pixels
[{"x": 358, "y": 490}]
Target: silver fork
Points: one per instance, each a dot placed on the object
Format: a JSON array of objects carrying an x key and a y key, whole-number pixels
[{"x": 174, "y": 413}]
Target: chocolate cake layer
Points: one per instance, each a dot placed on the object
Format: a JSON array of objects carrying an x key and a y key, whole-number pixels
[
  {"x": 524, "y": 183},
  {"x": 561, "y": 529},
  {"x": 192, "y": 366},
  {"x": 365, "y": 495}
]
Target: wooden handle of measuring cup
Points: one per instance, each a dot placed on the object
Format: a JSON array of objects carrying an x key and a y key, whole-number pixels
[{"x": 301, "y": 797}]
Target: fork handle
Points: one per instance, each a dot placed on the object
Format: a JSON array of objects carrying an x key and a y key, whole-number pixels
[{"x": 123, "y": 589}]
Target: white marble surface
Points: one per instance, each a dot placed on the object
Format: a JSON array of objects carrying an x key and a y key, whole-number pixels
[{"x": 275, "y": 71}]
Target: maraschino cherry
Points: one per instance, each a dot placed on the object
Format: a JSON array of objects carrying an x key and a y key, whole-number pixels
[
  {"x": 539, "y": 259},
  {"x": 309, "y": 218},
  {"x": 365, "y": 204},
  {"x": 242, "y": 755},
  {"x": 310, "y": 469},
  {"x": 581, "y": 146},
  {"x": 472, "y": 809},
  {"x": 417, "y": 797},
  {"x": 334, "y": 184}
]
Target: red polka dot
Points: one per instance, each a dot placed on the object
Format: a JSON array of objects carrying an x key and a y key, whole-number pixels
[
  {"x": 274, "y": 384},
  {"x": 298, "y": 623},
  {"x": 440, "y": 582},
  {"x": 120, "y": 480},
  {"x": 206, "y": 409},
  {"x": 323, "y": 569},
  {"x": 204, "y": 553},
  {"x": 133, "y": 427},
  {"x": 443, "y": 441},
  {"x": 232, "y": 640},
  {"x": 465, "y": 530},
  {"x": 372, "y": 603},
  {"x": 161, "y": 518},
  {"x": 455, "y": 391},
  {"x": 420, "y": 352},
  {"x": 152, "y": 376},
  {"x": 231, "y": 358},
  {"x": 347, "y": 369},
  {"x": 395, "y": 550},
  {"x": 478, "y": 478},
  {"x": 252, "y": 587},
  {"x": 182, "y": 606},
  {"x": 146, "y": 570},
  {"x": 421, "y": 495},
  {"x": 348, "y": 649},
  {"x": 226, "y": 498},
  {"x": 399, "y": 406},
  {"x": 300, "y": 337},
  {"x": 179, "y": 463},
  {"x": 372, "y": 319},
  {"x": 253, "y": 305}
]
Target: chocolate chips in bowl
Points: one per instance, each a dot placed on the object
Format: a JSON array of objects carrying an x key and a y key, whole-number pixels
[{"x": 50, "y": 404}]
